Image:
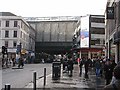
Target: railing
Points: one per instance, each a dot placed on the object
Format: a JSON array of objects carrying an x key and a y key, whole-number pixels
[{"x": 56, "y": 18}]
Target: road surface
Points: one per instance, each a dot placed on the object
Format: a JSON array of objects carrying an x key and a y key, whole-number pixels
[{"x": 18, "y": 78}]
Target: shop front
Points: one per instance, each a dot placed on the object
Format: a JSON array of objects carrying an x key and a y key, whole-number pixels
[
  {"x": 91, "y": 52},
  {"x": 116, "y": 40}
]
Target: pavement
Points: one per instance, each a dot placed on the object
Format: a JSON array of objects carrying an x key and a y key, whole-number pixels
[{"x": 70, "y": 83}]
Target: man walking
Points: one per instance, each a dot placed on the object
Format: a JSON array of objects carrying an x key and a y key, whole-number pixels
[
  {"x": 116, "y": 84},
  {"x": 80, "y": 66},
  {"x": 108, "y": 72},
  {"x": 70, "y": 65},
  {"x": 86, "y": 68},
  {"x": 97, "y": 67}
]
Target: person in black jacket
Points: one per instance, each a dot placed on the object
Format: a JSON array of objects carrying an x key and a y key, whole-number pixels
[
  {"x": 86, "y": 63},
  {"x": 108, "y": 71},
  {"x": 65, "y": 62},
  {"x": 116, "y": 84},
  {"x": 21, "y": 62},
  {"x": 70, "y": 65},
  {"x": 80, "y": 66}
]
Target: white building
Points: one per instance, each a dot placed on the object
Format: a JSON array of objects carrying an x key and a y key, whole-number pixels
[
  {"x": 15, "y": 30},
  {"x": 89, "y": 36}
]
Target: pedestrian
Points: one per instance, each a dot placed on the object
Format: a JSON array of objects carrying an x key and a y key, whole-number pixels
[
  {"x": 108, "y": 71},
  {"x": 6, "y": 60},
  {"x": 21, "y": 62},
  {"x": 86, "y": 63},
  {"x": 116, "y": 84},
  {"x": 43, "y": 61},
  {"x": 102, "y": 67},
  {"x": 113, "y": 78},
  {"x": 80, "y": 66},
  {"x": 70, "y": 65},
  {"x": 65, "y": 64},
  {"x": 13, "y": 61},
  {"x": 113, "y": 64},
  {"x": 97, "y": 67},
  {"x": 90, "y": 62}
]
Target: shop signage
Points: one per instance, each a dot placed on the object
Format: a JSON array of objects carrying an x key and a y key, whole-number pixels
[
  {"x": 84, "y": 33},
  {"x": 110, "y": 13}
]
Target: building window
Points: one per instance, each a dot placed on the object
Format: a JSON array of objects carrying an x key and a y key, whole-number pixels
[
  {"x": 6, "y": 33},
  {"x": 95, "y": 42},
  {"x": 15, "y": 34},
  {"x": 21, "y": 25},
  {"x": 15, "y": 23},
  {"x": 21, "y": 34},
  {"x": 98, "y": 20},
  {"x": 7, "y": 23},
  {"x": 6, "y": 43},
  {"x": 14, "y": 43},
  {"x": 97, "y": 30}
]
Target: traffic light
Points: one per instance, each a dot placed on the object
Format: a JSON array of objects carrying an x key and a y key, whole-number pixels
[{"x": 4, "y": 50}]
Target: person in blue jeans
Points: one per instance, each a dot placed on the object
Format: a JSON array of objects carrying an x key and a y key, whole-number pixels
[{"x": 97, "y": 67}]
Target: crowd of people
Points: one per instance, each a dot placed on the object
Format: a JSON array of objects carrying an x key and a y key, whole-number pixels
[
  {"x": 103, "y": 68},
  {"x": 11, "y": 62}
]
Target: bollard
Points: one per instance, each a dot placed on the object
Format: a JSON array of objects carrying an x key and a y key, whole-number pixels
[
  {"x": 34, "y": 80},
  {"x": 7, "y": 86},
  {"x": 44, "y": 76}
]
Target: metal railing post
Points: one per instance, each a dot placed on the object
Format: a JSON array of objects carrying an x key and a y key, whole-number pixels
[
  {"x": 44, "y": 76},
  {"x": 7, "y": 86},
  {"x": 34, "y": 80}
]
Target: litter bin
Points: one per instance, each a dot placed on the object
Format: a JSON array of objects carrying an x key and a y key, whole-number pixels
[{"x": 56, "y": 70}]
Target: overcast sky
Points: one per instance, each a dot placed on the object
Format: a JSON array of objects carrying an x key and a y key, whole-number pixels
[{"x": 43, "y": 8}]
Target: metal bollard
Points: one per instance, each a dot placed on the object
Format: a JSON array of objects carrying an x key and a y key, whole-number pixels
[
  {"x": 34, "y": 80},
  {"x": 44, "y": 76},
  {"x": 7, "y": 86}
]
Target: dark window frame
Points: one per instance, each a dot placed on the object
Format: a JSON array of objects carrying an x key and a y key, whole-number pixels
[
  {"x": 6, "y": 34},
  {"x": 6, "y": 43},
  {"x": 97, "y": 20},
  {"x": 94, "y": 30},
  {"x": 7, "y": 23},
  {"x": 15, "y": 34},
  {"x": 94, "y": 42},
  {"x": 15, "y": 23},
  {"x": 14, "y": 43}
]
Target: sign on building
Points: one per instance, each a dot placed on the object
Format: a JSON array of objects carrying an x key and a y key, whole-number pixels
[
  {"x": 84, "y": 33},
  {"x": 110, "y": 13}
]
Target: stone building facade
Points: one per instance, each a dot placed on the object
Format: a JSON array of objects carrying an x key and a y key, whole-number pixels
[
  {"x": 112, "y": 30},
  {"x": 13, "y": 31}
]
